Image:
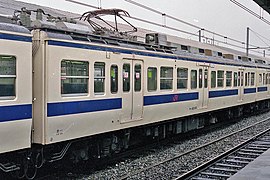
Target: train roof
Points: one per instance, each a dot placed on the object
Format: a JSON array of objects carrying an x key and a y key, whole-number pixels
[{"x": 13, "y": 28}]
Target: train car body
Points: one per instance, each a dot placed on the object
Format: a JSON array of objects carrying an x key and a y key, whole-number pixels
[
  {"x": 77, "y": 94},
  {"x": 15, "y": 88},
  {"x": 84, "y": 88}
]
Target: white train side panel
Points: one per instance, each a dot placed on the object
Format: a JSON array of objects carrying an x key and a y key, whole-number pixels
[{"x": 16, "y": 91}]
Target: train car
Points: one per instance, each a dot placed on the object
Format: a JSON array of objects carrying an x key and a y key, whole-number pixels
[
  {"x": 69, "y": 93},
  {"x": 15, "y": 88}
]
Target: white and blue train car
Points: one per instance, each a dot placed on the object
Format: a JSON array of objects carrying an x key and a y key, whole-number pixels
[
  {"x": 15, "y": 88},
  {"x": 85, "y": 88}
]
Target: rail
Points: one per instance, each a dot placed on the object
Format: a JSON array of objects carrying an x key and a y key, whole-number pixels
[
  {"x": 227, "y": 168},
  {"x": 192, "y": 151}
]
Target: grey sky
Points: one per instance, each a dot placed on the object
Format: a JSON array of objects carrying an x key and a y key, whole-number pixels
[{"x": 221, "y": 16}]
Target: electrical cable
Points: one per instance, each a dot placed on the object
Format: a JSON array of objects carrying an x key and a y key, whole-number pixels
[
  {"x": 172, "y": 28},
  {"x": 250, "y": 11}
]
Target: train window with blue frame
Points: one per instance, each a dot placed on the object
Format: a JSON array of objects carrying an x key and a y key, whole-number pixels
[
  {"x": 114, "y": 79},
  {"x": 182, "y": 78},
  {"x": 74, "y": 77},
  {"x": 235, "y": 78},
  {"x": 213, "y": 79},
  {"x": 220, "y": 78},
  {"x": 228, "y": 78},
  {"x": 152, "y": 79},
  {"x": 166, "y": 78},
  {"x": 193, "y": 79},
  {"x": 99, "y": 78},
  {"x": 7, "y": 77}
]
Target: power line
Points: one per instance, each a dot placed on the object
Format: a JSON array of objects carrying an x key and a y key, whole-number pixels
[
  {"x": 250, "y": 11},
  {"x": 172, "y": 28},
  {"x": 181, "y": 21}
]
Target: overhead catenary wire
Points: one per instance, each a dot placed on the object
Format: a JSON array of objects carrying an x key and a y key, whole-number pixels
[
  {"x": 250, "y": 11},
  {"x": 175, "y": 29},
  {"x": 181, "y": 21},
  {"x": 262, "y": 38}
]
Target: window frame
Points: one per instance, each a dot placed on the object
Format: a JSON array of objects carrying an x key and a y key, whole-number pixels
[
  {"x": 64, "y": 77},
  {"x": 235, "y": 79},
  {"x": 221, "y": 79},
  {"x": 229, "y": 78},
  {"x": 166, "y": 79},
  {"x": 116, "y": 79},
  {"x": 155, "y": 79},
  {"x": 213, "y": 83},
  {"x": 102, "y": 77},
  {"x": 10, "y": 76},
  {"x": 191, "y": 79},
  {"x": 181, "y": 78}
]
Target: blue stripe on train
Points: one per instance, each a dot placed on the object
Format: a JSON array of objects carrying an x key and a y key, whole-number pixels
[
  {"x": 15, "y": 112},
  {"x": 66, "y": 108},
  {"x": 15, "y": 37},
  {"x": 162, "y": 99},
  {"x": 261, "y": 89},
  {"x": 249, "y": 90},
  {"x": 222, "y": 93}
]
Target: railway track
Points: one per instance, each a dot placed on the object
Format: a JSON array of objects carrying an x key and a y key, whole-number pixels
[
  {"x": 178, "y": 166},
  {"x": 229, "y": 163}
]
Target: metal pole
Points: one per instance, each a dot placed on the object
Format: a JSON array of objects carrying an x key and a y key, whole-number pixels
[{"x": 247, "y": 41}]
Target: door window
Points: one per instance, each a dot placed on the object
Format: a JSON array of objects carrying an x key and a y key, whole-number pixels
[
  {"x": 137, "y": 78},
  {"x": 126, "y": 77}
]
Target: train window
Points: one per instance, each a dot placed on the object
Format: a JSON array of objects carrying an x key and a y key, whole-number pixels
[
  {"x": 126, "y": 77},
  {"x": 137, "y": 77},
  {"x": 184, "y": 47},
  {"x": 201, "y": 50},
  {"x": 260, "y": 78},
  {"x": 213, "y": 79},
  {"x": 205, "y": 78},
  {"x": 200, "y": 78},
  {"x": 182, "y": 78},
  {"x": 246, "y": 79},
  {"x": 239, "y": 79},
  {"x": 228, "y": 78},
  {"x": 74, "y": 77},
  {"x": 220, "y": 78},
  {"x": 252, "y": 79},
  {"x": 193, "y": 79},
  {"x": 235, "y": 78},
  {"x": 264, "y": 79},
  {"x": 166, "y": 78},
  {"x": 114, "y": 79},
  {"x": 152, "y": 79},
  {"x": 242, "y": 78},
  {"x": 7, "y": 77},
  {"x": 99, "y": 78}
]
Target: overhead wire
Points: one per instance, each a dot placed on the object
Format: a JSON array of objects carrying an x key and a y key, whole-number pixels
[
  {"x": 181, "y": 21},
  {"x": 250, "y": 11},
  {"x": 169, "y": 27}
]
